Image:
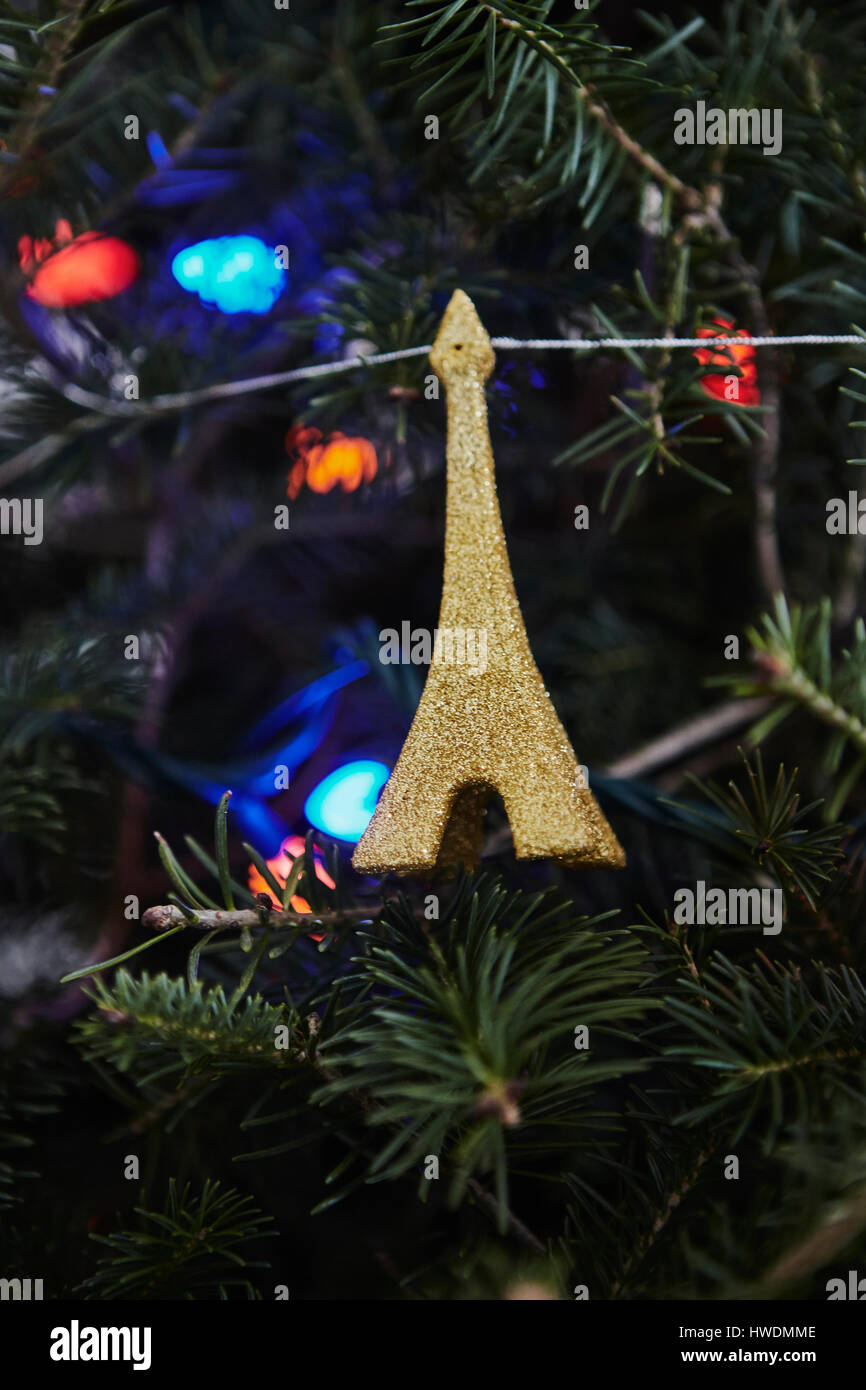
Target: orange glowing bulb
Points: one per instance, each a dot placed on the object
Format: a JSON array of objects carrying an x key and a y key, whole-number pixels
[
  {"x": 281, "y": 866},
  {"x": 344, "y": 460}
]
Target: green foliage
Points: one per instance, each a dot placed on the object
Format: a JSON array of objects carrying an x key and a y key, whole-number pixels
[
  {"x": 763, "y": 829},
  {"x": 454, "y": 1038},
  {"x": 29, "y": 1090},
  {"x": 53, "y": 675},
  {"x": 793, "y": 657},
  {"x": 649, "y": 434},
  {"x": 155, "y": 1027},
  {"x": 389, "y": 304},
  {"x": 525, "y": 93},
  {"x": 858, "y": 395},
  {"x": 192, "y": 1249},
  {"x": 463, "y": 1033},
  {"x": 784, "y": 1044},
  {"x": 780, "y": 56},
  {"x": 46, "y": 684},
  {"x": 763, "y": 1063},
  {"x": 29, "y": 802}
]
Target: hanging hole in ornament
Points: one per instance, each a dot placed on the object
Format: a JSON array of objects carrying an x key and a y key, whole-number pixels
[{"x": 457, "y": 347}]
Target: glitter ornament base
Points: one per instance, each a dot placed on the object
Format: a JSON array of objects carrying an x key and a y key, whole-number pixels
[{"x": 480, "y": 727}]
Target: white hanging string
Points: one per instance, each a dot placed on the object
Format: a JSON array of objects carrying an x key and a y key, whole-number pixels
[
  {"x": 31, "y": 457},
  {"x": 227, "y": 389},
  {"x": 588, "y": 344}
]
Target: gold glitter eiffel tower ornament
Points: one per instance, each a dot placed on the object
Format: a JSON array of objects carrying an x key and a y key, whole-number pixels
[{"x": 482, "y": 725}]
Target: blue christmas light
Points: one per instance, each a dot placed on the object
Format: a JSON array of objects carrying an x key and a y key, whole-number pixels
[
  {"x": 238, "y": 274},
  {"x": 343, "y": 803},
  {"x": 157, "y": 150}
]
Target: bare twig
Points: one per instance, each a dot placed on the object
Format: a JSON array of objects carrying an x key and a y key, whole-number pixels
[
  {"x": 694, "y": 733},
  {"x": 165, "y": 917},
  {"x": 823, "y": 1242},
  {"x": 486, "y": 1200}
]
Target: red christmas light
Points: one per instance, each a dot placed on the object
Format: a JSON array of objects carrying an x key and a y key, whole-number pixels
[
  {"x": 746, "y": 390},
  {"x": 76, "y": 270}
]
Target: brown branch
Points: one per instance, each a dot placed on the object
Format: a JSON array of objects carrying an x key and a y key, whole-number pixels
[
  {"x": 598, "y": 108},
  {"x": 163, "y": 918},
  {"x": 839, "y": 1054},
  {"x": 486, "y": 1200},
  {"x": 819, "y": 1247},
  {"x": 694, "y": 733},
  {"x": 671, "y": 1204}
]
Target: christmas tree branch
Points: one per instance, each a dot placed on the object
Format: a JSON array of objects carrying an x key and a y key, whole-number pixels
[
  {"x": 797, "y": 684},
  {"x": 806, "y": 62},
  {"x": 844, "y": 1220},
  {"x": 792, "y": 655},
  {"x": 165, "y": 918},
  {"x": 597, "y": 108},
  {"x": 489, "y": 1203},
  {"x": 680, "y": 742},
  {"x": 192, "y": 1248},
  {"x": 703, "y": 210},
  {"x": 157, "y": 1025},
  {"x": 757, "y": 1070},
  {"x": 666, "y": 1211},
  {"x": 62, "y": 37}
]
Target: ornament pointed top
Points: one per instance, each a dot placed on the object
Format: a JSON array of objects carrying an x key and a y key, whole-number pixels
[{"x": 462, "y": 346}]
